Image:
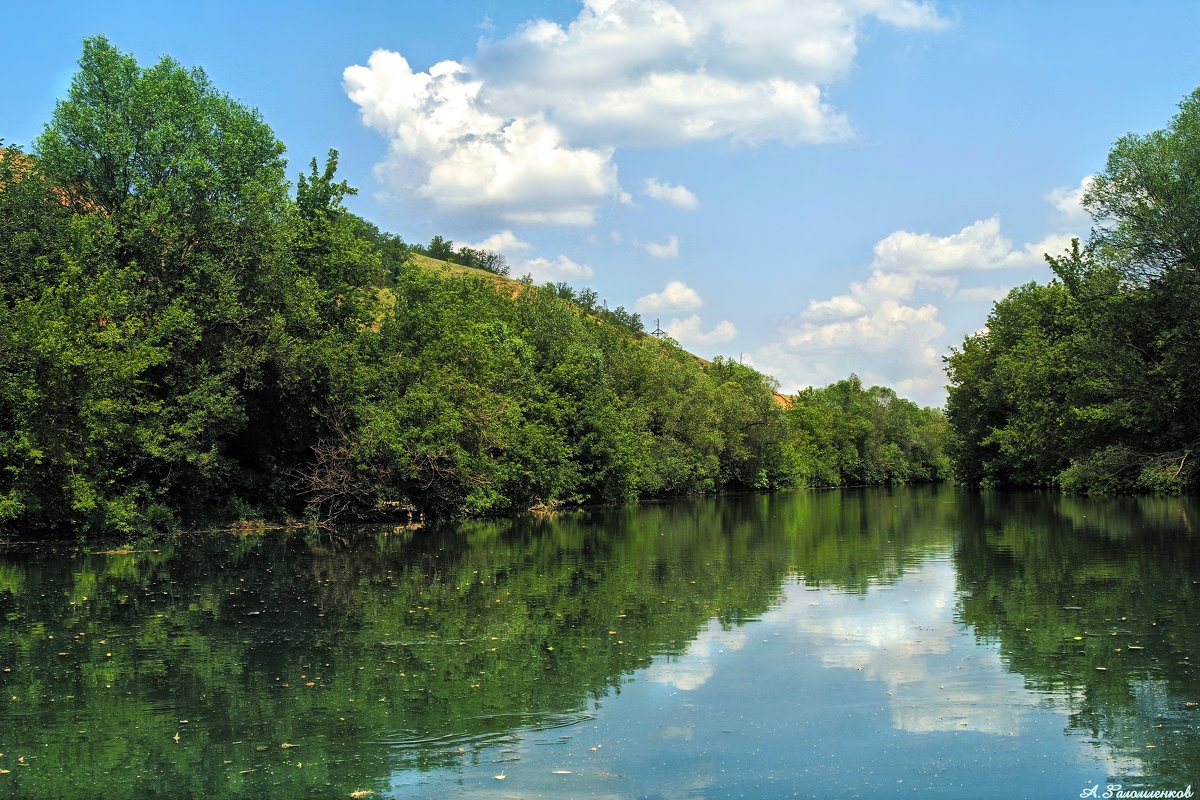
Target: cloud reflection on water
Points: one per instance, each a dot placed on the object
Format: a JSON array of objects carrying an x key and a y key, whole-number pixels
[
  {"x": 692, "y": 670},
  {"x": 906, "y": 636}
]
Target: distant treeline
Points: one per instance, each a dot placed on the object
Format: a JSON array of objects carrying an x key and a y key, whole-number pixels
[
  {"x": 443, "y": 250},
  {"x": 182, "y": 340},
  {"x": 1091, "y": 383}
]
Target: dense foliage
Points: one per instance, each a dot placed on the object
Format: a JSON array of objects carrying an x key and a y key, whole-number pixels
[
  {"x": 1090, "y": 383},
  {"x": 182, "y": 339},
  {"x": 845, "y": 435}
]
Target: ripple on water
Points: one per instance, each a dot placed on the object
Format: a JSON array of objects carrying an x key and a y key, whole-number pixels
[{"x": 484, "y": 731}]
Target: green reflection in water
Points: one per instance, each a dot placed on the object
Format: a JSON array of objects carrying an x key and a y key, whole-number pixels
[
  {"x": 1098, "y": 599},
  {"x": 318, "y": 665}
]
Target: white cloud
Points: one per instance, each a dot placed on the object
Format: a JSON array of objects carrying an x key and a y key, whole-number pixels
[
  {"x": 447, "y": 150},
  {"x": 837, "y": 307},
  {"x": 1068, "y": 201},
  {"x": 886, "y": 328},
  {"x": 505, "y": 242},
  {"x": 667, "y": 249},
  {"x": 989, "y": 293},
  {"x": 675, "y": 296},
  {"x": 525, "y": 129},
  {"x": 916, "y": 649},
  {"x": 865, "y": 296},
  {"x": 979, "y": 246},
  {"x": 696, "y": 666},
  {"x": 678, "y": 196},
  {"x": 545, "y": 269},
  {"x": 689, "y": 333}
]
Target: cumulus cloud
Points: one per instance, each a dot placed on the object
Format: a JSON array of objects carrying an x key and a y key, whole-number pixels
[
  {"x": 979, "y": 246},
  {"x": 675, "y": 296},
  {"x": 689, "y": 333},
  {"x": 447, "y": 150},
  {"x": 678, "y": 196},
  {"x": 525, "y": 129},
  {"x": 546, "y": 269},
  {"x": 504, "y": 241},
  {"x": 667, "y": 249},
  {"x": 876, "y": 330},
  {"x": 886, "y": 327},
  {"x": 1068, "y": 201}
]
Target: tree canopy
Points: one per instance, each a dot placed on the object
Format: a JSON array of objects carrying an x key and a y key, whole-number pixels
[
  {"x": 184, "y": 338},
  {"x": 1089, "y": 383}
]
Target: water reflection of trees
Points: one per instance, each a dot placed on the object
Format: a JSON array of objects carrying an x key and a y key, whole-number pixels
[
  {"x": 379, "y": 650},
  {"x": 269, "y": 640},
  {"x": 1098, "y": 599}
]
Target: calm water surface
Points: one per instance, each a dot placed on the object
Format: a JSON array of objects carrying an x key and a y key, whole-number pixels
[{"x": 875, "y": 644}]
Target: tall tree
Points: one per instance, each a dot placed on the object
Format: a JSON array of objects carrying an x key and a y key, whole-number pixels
[
  {"x": 1089, "y": 383},
  {"x": 179, "y": 254}
]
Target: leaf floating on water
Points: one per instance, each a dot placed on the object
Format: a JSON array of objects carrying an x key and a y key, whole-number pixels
[
  {"x": 5, "y": 771},
  {"x": 500, "y": 777},
  {"x": 362, "y": 793},
  {"x": 176, "y": 737},
  {"x": 1079, "y": 638},
  {"x": 262, "y": 748},
  {"x": 287, "y": 745}
]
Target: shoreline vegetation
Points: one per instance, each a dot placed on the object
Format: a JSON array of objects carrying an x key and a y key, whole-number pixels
[
  {"x": 186, "y": 339},
  {"x": 1090, "y": 383}
]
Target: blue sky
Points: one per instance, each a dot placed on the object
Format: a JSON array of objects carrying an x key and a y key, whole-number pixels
[{"x": 816, "y": 187}]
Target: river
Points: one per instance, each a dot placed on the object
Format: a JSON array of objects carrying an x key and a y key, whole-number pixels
[{"x": 875, "y": 643}]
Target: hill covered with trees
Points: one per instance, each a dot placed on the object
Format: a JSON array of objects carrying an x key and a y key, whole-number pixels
[
  {"x": 185, "y": 340},
  {"x": 1091, "y": 382}
]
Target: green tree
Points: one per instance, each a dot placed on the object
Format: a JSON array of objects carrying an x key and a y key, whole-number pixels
[
  {"x": 177, "y": 256},
  {"x": 440, "y": 248},
  {"x": 1088, "y": 383}
]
